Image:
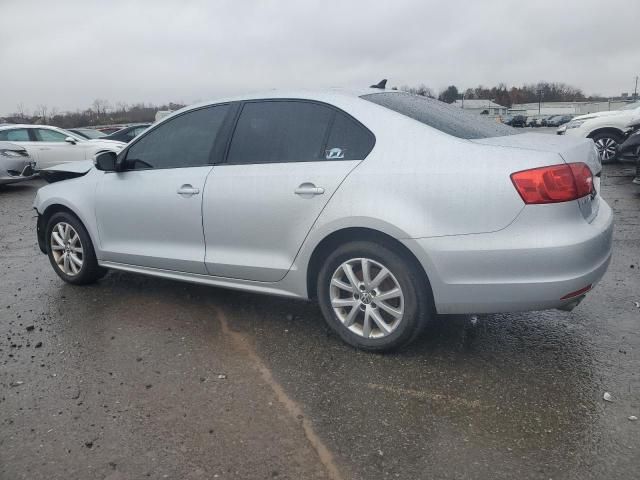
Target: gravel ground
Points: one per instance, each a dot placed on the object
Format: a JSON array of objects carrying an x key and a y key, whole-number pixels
[{"x": 138, "y": 377}]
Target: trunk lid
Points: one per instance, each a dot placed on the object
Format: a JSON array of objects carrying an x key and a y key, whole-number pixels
[{"x": 569, "y": 149}]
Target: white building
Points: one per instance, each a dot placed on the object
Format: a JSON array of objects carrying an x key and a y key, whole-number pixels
[
  {"x": 566, "y": 108},
  {"x": 483, "y": 107}
]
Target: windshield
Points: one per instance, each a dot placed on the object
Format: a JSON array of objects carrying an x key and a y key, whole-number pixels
[
  {"x": 441, "y": 116},
  {"x": 631, "y": 106},
  {"x": 90, "y": 133}
]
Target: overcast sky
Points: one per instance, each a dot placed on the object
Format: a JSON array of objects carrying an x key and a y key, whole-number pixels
[{"x": 65, "y": 54}]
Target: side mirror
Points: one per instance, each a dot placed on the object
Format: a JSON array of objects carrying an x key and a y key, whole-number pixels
[
  {"x": 106, "y": 161},
  {"x": 70, "y": 140}
]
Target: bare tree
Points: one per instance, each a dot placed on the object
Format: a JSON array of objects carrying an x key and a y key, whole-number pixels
[
  {"x": 41, "y": 111},
  {"x": 101, "y": 107},
  {"x": 21, "y": 112},
  {"x": 421, "y": 90}
]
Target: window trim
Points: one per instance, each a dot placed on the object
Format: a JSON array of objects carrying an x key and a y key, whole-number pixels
[
  {"x": 122, "y": 156},
  {"x": 334, "y": 111}
]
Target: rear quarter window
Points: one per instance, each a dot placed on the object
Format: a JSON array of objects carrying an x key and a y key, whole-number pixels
[{"x": 441, "y": 116}]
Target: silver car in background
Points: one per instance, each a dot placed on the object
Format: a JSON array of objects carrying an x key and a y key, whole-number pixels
[
  {"x": 385, "y": 207},
  {"x": 15, "y": 164}
]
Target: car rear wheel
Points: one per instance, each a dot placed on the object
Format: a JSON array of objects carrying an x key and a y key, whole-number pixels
[
  {"x": 374, "y": 298},
  {"x": 607, "y": 145},
  {"x": 70, "y": 250}
]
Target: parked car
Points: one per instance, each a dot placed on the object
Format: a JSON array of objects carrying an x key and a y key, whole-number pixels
[
  {"x": 518, "y": 121},
  {"x": 537, "y": 121},
  {"x": 558, "y": 120},
  {"x": 108, "y": 130},
  {"x": 88, "y": 133},
  {"x": 127, "y": 134},
  {"x": 629, "y": 148},
  {"x": 50, "y": 146},
  {"x": 15, "y": 164},
  {"x": 606, "y": 129},
  {"x": 384, "y": 206}
]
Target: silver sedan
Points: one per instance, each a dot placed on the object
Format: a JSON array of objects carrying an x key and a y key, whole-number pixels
[
  {"x": 15, "y": 164},
  {"x": 387, "y": 208}
]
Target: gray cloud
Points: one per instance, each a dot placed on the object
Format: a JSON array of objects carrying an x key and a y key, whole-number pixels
[{"x": 65, "y": 54}]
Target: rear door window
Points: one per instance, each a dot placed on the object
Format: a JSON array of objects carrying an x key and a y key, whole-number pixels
[
  {"x": 440, "y": 115},
  {"x": 280, "y": 131},
  {"x": 15, "y": 135}
]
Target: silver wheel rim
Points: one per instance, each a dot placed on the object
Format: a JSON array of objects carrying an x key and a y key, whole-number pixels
[
  {"x": 66, "y": 248},
  {"x": 606, "y": 147},
  {"x": 366, "y": 297}
]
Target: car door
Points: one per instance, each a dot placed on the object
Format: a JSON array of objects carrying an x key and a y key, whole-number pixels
[
  {"x": 53, "y": 149},
  {"x": 150, "y": 214},
  {"x": 285, "y": 160}
]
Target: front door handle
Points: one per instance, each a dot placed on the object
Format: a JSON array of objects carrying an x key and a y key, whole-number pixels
[
  {"x": 308, "y": 190},
  {"x": 188, "y": 190}
]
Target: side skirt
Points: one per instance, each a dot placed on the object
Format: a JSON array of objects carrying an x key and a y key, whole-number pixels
[{"x": 244, "y": 285}]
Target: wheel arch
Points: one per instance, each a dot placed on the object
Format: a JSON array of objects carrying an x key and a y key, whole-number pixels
[
  {"x": 350, "y": 234},
  {"x": 43, "y": 220},
  {"x": 598, "y": 130}
]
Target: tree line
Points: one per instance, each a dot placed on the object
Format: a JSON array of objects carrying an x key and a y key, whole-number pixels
[
  {"x": 101, "y": 112},
  {"x": 507, "y": 96}
]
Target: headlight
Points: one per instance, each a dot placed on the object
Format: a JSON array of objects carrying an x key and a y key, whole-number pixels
[
  {"x": 13, "y": 153},
  {"x": 575, "y": 123}
]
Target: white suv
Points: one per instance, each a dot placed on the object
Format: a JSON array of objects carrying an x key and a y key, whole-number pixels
[{"x": 605, "y": 128}]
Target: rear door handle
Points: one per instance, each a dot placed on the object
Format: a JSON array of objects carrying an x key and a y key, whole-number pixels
[
  {"x": 308, "y": 190},
  {"x": 188, "y": 190}
]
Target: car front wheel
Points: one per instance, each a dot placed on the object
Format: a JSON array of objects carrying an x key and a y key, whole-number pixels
[
  {"x": 373, "y": 297},
  {"x": 607, "y": 146},
  {"x": 70, "y": 250}
]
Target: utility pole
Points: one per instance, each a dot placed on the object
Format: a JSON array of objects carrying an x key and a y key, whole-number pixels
[
  {"x": 635, "y": 90},
  {"x": 540, "y": 91}
]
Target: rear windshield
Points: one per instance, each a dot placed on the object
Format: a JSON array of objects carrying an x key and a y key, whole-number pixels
[{"x": 441, "y": 116}]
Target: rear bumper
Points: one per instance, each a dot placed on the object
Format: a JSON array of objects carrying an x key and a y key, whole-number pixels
[{"x": 530, "y": 265}]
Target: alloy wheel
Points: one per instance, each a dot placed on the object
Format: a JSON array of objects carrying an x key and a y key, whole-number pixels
[
  {"x": 367, "y": 298},
  {"x": 66, "y": 248},
  {"x": 607, "y": 148}
]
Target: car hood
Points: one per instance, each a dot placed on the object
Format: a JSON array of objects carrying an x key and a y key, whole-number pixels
[
  {"x": 588, "y": 116},
  {"x": 110, "y": 144},
  {"x": 80, "y": 167}
]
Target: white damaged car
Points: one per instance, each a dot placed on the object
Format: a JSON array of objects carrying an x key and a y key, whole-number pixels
[{"x": 49, "y": 146}]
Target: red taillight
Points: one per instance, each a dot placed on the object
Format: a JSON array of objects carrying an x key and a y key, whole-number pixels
[
  {"x": 577, "y": 292},
  {"x": 553, "y": 184}
]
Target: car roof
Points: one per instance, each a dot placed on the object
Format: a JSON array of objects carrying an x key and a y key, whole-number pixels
[
  {"x": 322, "y": 95},
  {"x": 26, "y": 125}
]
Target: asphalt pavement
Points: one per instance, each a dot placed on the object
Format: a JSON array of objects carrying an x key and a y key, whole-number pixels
[{"x": 136, "y": 377}]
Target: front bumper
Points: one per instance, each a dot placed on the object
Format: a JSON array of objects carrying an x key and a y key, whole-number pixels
[
  {"x": 40, "y": 228},
  {"x": 530, "y": 265},
  {"x": 18, "y": 170}
]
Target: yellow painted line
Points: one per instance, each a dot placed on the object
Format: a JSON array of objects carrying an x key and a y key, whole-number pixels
[{"x": 293, "y": 409}]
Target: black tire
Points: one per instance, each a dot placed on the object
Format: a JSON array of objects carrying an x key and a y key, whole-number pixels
[
  {"x": 90, "y": 271},
  {"x": 604, "y": 136},
  {"x": 418, "y": 302}
]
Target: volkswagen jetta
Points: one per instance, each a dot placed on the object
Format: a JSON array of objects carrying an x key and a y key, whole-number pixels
[{"x": 386, "y": 207}]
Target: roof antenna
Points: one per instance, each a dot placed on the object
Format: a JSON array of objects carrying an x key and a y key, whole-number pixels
[{"x": 381, "y": 84}]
